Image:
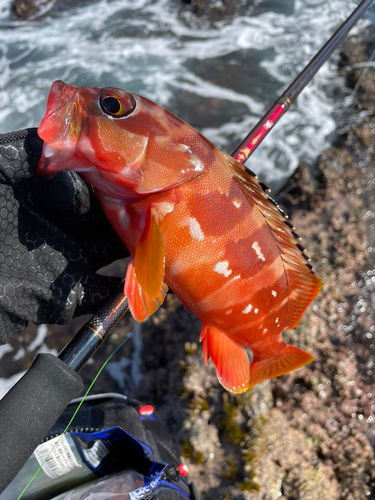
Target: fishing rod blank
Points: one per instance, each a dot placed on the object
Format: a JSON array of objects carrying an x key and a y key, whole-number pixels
[
  {"x": 273, "y": 115},
  {"x": 93, "y": 333}
]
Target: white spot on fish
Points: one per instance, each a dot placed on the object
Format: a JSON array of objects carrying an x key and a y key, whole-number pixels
[
  {"x": 49, "y": 151},
  {"x": 247, "y": 309},
  {"x": 265, "y": 331},
  {"x": 256, "y": 311},
  {"x": 237, "y": 203},
  {"x": 274, "y": 293},
  {"x": 229, "y": 311},
  {"x": 195, "y": 229},
  {"x": 222, "y": 268},
  {"x": 276, "y": 320},
  {"x": 258, "y": 251},
  {"x": 237, "y": 277}
]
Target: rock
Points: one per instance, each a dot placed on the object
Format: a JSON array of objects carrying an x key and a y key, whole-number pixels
[
  {"x": 23, "y": 9},
  {"x": 282, "y": 462}
]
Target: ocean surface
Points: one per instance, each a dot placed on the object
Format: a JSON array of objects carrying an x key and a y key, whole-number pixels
[{"x": 219, "y": 75}]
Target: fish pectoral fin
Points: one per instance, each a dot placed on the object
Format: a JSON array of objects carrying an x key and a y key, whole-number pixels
[
  {"x": 288, "y": 358},
  {"x": 141, "y": 305},
  {"x": 149, "y": 257},
  {"x": 230, "y": 359}
]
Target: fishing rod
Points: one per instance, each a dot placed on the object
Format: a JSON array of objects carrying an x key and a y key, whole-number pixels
[
  {"x": 93, "y": 333},
  {"x": 32, "y": 406},
  {"x": 283, "y": 103}
]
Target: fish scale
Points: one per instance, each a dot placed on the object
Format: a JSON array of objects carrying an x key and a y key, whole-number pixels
[{"x": 192, "y": 219}]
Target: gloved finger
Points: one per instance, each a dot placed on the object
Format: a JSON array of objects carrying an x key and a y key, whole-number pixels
[
  {"x": 19, "y": 155},
  {"x": 67, "y": 193},
  {"x": 69, "y": 201}
]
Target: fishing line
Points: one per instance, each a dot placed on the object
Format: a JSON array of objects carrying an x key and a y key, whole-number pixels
[
  {"x": 79, "y": 406},
  {"x": 367, "y": 65}
]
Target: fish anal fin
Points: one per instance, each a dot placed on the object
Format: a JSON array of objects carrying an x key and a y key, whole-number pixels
[
  {"x": 140, "y": 304},
  {"x": 287, "y": 359},
  {"x": 149, "y": 261},
  {"x": 230, "y": 359}
]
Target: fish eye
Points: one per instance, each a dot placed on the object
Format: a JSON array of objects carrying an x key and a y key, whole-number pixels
[
  {"x": 117, "y": 106},
  {"x": 112, "y": 105}
]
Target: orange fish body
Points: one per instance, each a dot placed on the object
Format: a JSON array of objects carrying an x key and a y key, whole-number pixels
[{"x": 192, "y": 219}]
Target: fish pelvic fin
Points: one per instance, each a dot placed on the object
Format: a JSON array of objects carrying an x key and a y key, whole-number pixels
[
  {"x": 149, "y": 259},
  {"x": 141, "y": 305},
  {"x": 230, "y": 359},
  {"x": 285, "y": 360}
]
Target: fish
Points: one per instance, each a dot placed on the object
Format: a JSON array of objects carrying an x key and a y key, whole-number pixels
[{"x": 194, "y": 220}]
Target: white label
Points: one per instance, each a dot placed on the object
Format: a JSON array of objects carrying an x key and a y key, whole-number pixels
[
  {"x": 95, "y": 454},
  {"x": 56, "y": 457},
  {"x": 143, "y": 491}
]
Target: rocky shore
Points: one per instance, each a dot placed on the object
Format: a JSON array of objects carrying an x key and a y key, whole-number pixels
[{"x": 309, "y": 434}]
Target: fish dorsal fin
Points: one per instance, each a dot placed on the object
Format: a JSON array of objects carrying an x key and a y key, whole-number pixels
[{"x": 303, "y": 284}]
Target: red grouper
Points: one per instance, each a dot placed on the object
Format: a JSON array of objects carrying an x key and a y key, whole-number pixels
[{"x": 192, "y": 219}]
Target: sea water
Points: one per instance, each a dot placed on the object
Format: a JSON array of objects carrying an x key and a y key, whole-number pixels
[{"x": 219, "y": 75}]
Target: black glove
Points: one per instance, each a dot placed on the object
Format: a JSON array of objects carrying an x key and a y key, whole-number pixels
[{"x": 53, "y": 237}]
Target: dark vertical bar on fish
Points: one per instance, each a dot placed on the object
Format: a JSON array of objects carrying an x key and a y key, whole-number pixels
[{"x": 269, "y": 120}]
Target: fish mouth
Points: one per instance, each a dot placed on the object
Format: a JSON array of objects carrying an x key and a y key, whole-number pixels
[
  {"x": 61, "y": 130},
  {"x": 62, "y": 124}
]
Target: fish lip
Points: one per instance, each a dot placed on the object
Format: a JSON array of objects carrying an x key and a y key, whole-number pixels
[{"x": 65, "y": 100}]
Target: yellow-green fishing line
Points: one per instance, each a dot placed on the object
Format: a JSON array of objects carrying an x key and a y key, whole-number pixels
[{"x": 75, "y": 413}]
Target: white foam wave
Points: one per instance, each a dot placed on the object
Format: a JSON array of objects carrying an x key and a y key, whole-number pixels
[{"x": 149, "y": 48}]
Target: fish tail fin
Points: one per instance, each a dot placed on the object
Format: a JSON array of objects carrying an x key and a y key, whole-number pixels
[
  {"x": 286, "y": 359},
  {"x": 140, "y": 304},
  {"x": 233, "y": 368},
  {"x": 230, "y": 359}
]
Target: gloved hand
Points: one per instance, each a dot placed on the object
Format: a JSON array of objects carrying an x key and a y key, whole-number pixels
[{"x": 53, "y": 237}]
